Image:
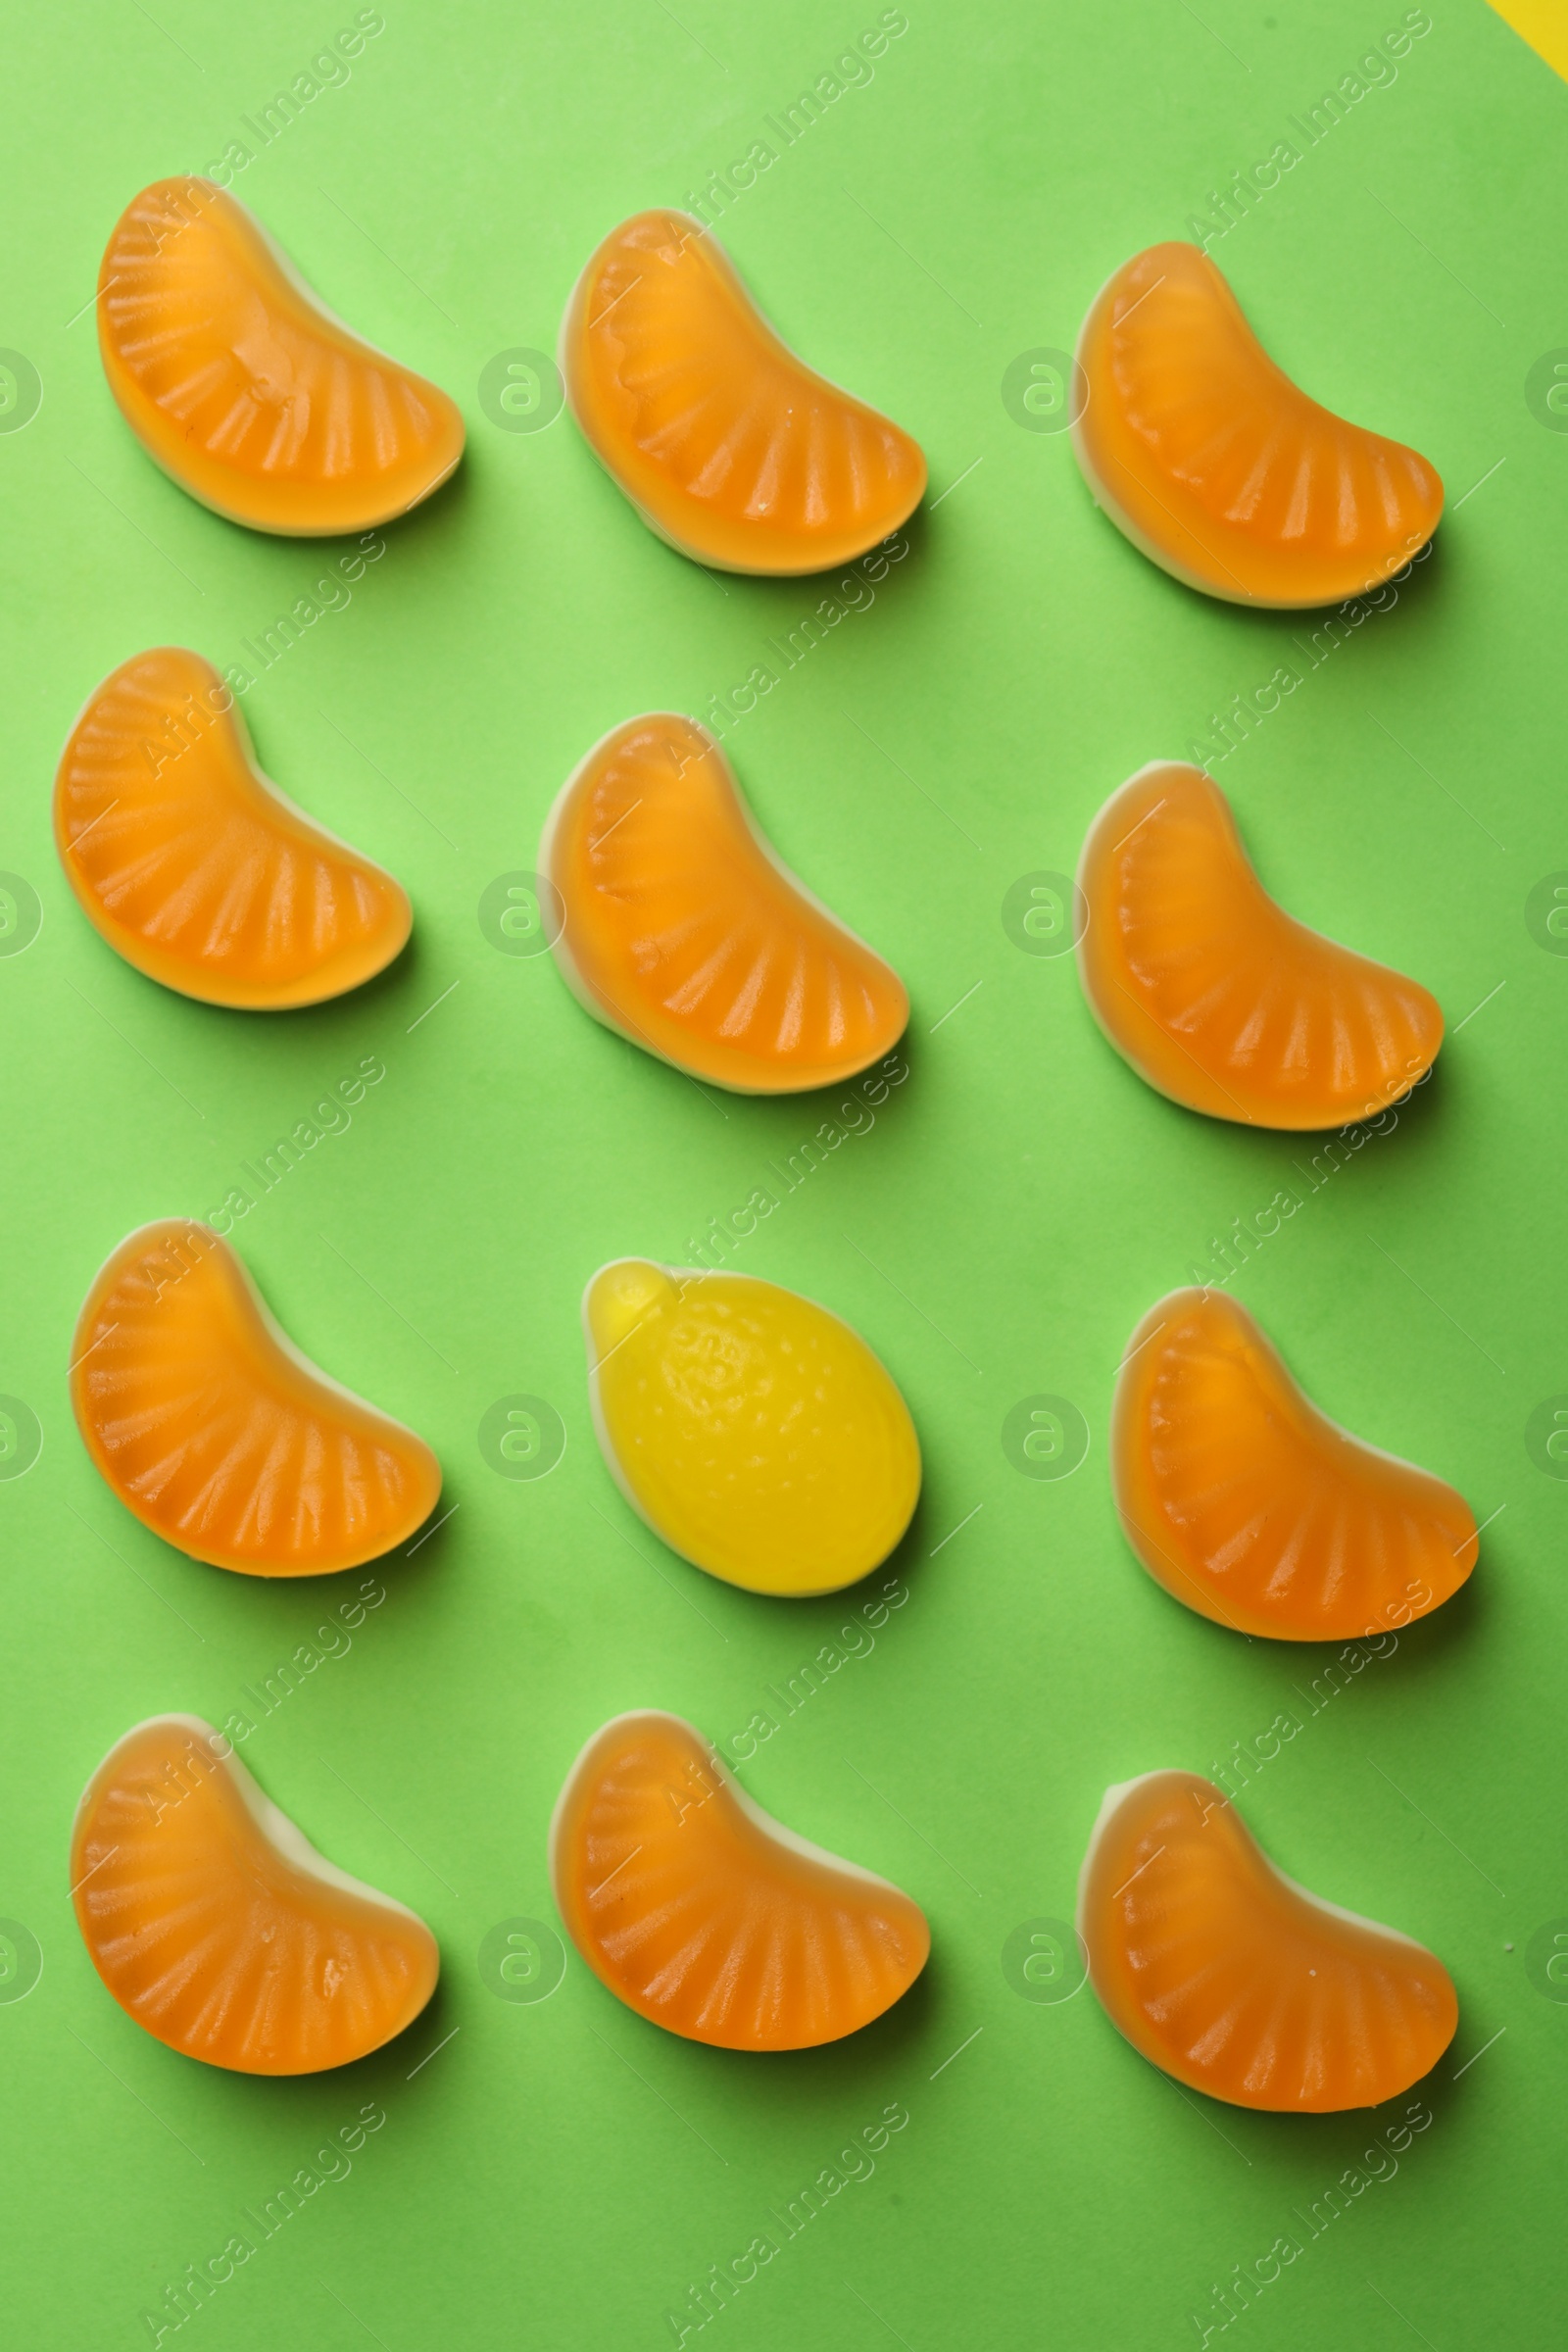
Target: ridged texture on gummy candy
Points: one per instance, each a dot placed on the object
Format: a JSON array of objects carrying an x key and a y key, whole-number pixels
[
  {"x": 1198, "y": 431},
  {"x": 1235, "y": 1980},
  {"x": 709, "y": 1920},
  {"x": 693, "y": 938},
  {"x": 214, "y": 1940},
  {"x": 746, "y": 441},
  {"x": 219, "y": 1435},
  {"x": 193, "y": 866},
  {"x": 1253, "y": 1507},
  {"x": 1253, "y": 1015},
  {"x": 257, "y": 399}
]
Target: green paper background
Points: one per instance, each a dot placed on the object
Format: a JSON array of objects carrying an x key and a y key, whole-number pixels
[{"x": 558, "y": 2172}]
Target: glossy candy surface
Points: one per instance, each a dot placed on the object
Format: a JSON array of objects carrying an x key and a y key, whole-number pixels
[
  {"x": 219, "y": 1929},
  {"x": 751, "y": 1429},
  {"x": 1218, "y": 465},
  {"x": 210, "y": 1425},
  {"x": 1254, "y": 1508},
  {"x": 1213, "y": 992},
  {"x": 1235, "y": 1980},
  {"x": 685, "y": 933},
  {"x": 191, "y": 863},
  {"x": 249, "y": 393},
  {"x": 727, "y": 445},
  {"x": 707, "y": 1916}
]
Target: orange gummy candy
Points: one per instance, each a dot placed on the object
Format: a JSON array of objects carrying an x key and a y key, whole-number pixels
[
  {"x": 1254, "y": 1508},
  {"x": 685, "y": 932},
  {"x": 219, "y": 1929},
  {"x": 206, "y": 1420},
  {"x": 1217, "y": 466},
  {"x": 1234, "y": 1979},
  {"x": 1214, "y": 993},
  {"x": 246, "y": 391},
  {"x": 707, "y": 1916},
  {"x": 727, "y": 445},
  {"x": 192, "y": 863}
]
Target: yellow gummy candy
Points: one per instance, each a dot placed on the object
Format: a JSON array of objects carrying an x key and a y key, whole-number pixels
[{"x": 756, "y": 1433}]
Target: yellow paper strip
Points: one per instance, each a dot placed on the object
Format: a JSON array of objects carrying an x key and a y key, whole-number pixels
[{"x": 1543, "y": 23}]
